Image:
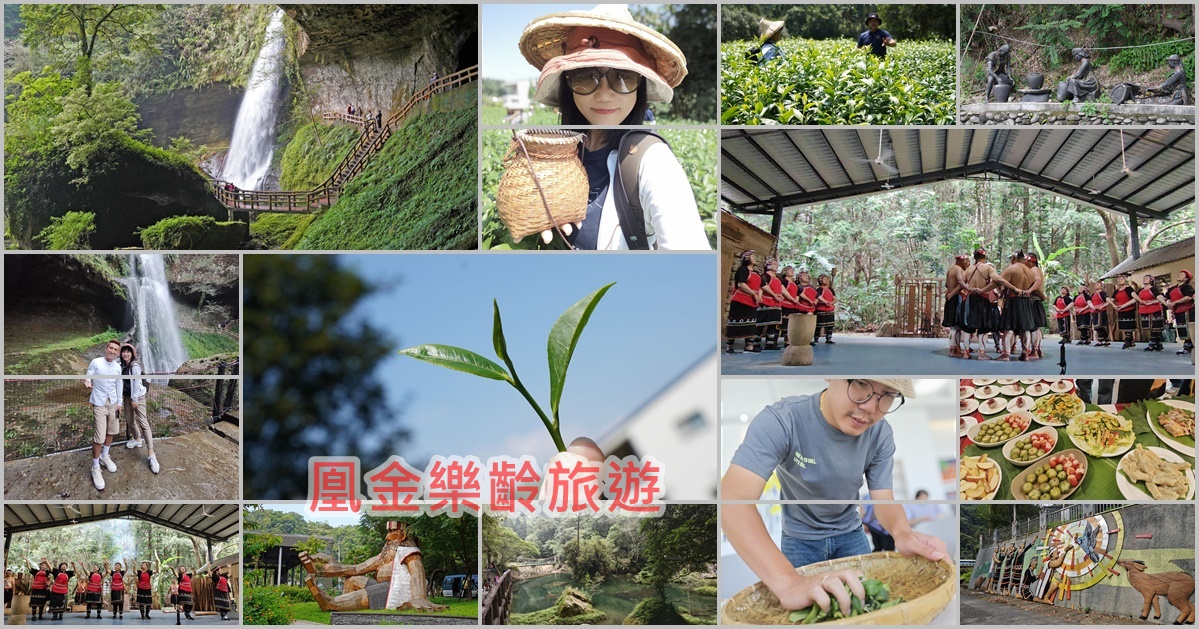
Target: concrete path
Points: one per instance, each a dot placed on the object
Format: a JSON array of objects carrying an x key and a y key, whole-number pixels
[
  {"x": 883, "y": 356},
  {"x": 986, "y": 609}
]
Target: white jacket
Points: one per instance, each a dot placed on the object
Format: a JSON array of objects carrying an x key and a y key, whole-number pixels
[
  {"x": 137, "y": 390},
  {"x": 671, "y": 217}
]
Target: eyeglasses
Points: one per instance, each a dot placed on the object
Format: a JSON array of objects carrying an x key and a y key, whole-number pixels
[
  {"x": 587, "y": 80},
  {"x": 860, "y": 392}
]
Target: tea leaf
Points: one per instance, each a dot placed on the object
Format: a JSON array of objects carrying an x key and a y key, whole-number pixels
[
  {"x": 564, "y": 336},
  {"x": 458, "y": 359}
]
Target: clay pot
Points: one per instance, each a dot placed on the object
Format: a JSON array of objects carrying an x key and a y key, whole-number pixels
[
  {"x": 1001, "y": 92},
  {"x": 801, "y": 328},
  {"x": 1035, "y": 81}
]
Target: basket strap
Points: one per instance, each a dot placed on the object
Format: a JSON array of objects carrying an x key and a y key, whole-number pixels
[{"x": 537, "y": 182}]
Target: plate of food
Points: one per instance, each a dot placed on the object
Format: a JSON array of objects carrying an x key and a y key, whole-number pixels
[
  {"x": 965, "y": 391},
  {"x": 964, "y": 424},
  {"x": 1175, "y": 425},
  {"x": 1011, "y": 389},
  {"x": 1057, "y": 409},
  {"x": 1030, "y": 381},
  {"x": 1055, "y": 478},
  {"x": 1099, "y": 433},
  {"x": 986, "y": 392},
  {"x": 978, "y": 478},
  {"x": 1155, "y": 474},
  {"x": 1006, "y": 381},
  {"x": 1000, "y": 430},
  {"x": 1061, "y": 386},
  {"x": 1031, "y": 447},
  {"x": 967, "y": 406},
  {"x": 992, "y": 406},
  {"x": 1037, "y": 389},
  {"x": 982, "y": 382},
  {"x": 1021, "y": 403}
]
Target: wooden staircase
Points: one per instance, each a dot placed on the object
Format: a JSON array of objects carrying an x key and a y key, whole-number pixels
[{"x": 369, "y": 143}]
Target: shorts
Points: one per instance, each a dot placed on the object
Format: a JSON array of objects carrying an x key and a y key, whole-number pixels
[{"x": 106, "y": 422}]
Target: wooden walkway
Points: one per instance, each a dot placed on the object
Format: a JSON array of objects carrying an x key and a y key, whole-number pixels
[{"x": 369, "y": 143}]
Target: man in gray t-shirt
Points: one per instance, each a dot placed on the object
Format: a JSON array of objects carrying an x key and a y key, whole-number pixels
[{"x": 820, "y": 446}]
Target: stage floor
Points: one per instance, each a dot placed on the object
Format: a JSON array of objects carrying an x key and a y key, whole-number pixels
[{"x": 884, "y": 356}]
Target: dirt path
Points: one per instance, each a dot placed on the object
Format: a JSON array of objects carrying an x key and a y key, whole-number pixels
[
  {"x": 198, "y": 466},
  {"x": 986, "y": 609}
]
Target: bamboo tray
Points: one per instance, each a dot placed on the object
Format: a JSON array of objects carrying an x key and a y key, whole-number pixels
[{"x": 926, "y": 586}]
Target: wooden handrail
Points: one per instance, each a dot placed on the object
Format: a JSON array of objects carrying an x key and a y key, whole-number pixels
[{"x": 370, "y": 142}]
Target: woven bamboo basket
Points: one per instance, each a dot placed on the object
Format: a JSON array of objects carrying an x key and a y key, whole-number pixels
[
  {"x": 554, "y": 156},
  {"x": 927, "y": 587}
]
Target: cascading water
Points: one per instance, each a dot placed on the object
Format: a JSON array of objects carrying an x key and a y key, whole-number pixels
[
  {"x": 156, "y": 330},
  {"x": 253, "y": 142}
]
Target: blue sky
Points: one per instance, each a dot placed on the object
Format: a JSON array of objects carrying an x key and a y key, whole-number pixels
[
  {"x": 502, "y": 26},
  {"x": 333, "y": 519},
  {"x": 657, "y": 321}
]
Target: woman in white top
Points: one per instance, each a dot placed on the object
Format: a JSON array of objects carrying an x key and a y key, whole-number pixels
[
  {"x": 601, "y": 68},
  {"x": 134, "y": 394}
]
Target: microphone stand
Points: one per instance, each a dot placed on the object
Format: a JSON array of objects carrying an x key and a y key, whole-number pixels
[{"x": 1062, "y": 364}]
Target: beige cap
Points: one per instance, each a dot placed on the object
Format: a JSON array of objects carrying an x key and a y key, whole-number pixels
[{"x": 903, "y": 386}]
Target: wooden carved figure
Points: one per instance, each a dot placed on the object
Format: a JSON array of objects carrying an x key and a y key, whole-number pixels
[{"x": 1177, "y": 587}]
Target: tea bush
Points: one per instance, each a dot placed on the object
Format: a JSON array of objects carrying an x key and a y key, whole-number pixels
[{"x": 831, "y": 82}]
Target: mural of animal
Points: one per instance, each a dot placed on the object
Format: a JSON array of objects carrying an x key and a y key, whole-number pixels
[{"x": 1177, "y": 587}]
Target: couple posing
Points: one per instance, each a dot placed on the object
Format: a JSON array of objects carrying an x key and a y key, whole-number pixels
[{"x": 108, "y": 394}]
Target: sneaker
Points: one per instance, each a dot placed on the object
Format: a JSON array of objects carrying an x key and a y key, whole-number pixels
[
  {"x": 97, "y": 478},
  {"x": 154, "y": 464},
  {"x": 135, "y": 443},
  {"x": 106, "y": 461}
]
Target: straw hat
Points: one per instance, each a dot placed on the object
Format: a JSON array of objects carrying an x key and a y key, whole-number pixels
[
  {"x": 606, "y": 36},
  {"x": 767, "y": 28}
]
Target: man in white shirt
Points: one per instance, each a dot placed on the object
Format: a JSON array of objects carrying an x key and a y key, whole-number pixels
[{"x": 105, "y": 399}]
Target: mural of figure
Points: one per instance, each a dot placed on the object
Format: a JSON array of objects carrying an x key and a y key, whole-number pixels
[
  {"x": 1045, "y": 590},
  {"x": 1081, "y": 86},
  {"x": 399, "y": 581},
  {"x": 1177, "y": 587},
  {"x": 998, "y": 71}
]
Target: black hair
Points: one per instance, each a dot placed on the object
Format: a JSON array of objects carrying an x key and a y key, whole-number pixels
[{"x": 571, "y": 116}]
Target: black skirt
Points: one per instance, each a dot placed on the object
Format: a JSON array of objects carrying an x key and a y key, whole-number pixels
[
  {"x": 1126, "y": 321},
  {"x": 825, "y": 319},
  {"x": 769, "y": 315},
  {"x": 37, "y": 598},
  {"x": 58, "y": 602},
  {"x": 949, "y": 318},
  {"x": 975, "y": 314},
  {"x": 117, "y": 596},
  {"x": 1038, "y": 313},
  {"x": 1181, "y": 319},
  {"x": 145, "y": 597},
  {"x": 743, "y": 321},
  {"x": 94, "y": 598},
  {"x": 221, "y": 600},
  {"x": 79, "y": 600},
  {"x": 1153, "y": 321},
  {"x": 1099, "y": 319},
  {"x": 1018, "y": 315},
  {"x": 185, "y": 598}
]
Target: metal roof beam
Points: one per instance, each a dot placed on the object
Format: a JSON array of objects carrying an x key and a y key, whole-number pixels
[
  {"x": 748, "y": 171},
  {"x": 766, "y": 154}
]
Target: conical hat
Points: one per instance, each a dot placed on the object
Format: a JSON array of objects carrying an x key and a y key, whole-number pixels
[{"x": 767, "y": 28}]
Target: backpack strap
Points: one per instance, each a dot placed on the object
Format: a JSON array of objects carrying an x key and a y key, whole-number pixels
[{"x": 632, "y": 149}]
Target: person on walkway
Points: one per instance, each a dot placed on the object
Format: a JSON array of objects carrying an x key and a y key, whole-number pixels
[
  {"x": 1181, "y": 300},
  {"x": 184, "y": 578},
  {"x": 875, "y": 39},
  {"x": 145, "y": 590},
  {"x": 1082, "y": 313},
  {"x": 104, "y": 399},
  {"x": 116, "y": 587},
  {"x": 954, "y": 282},
  {"x": 1063, "y": 306},
  {"x": 350, "y": 110},
  {"x": 1123, "y": 299},
  {"x": 770, "y": 312},
  {"x": 1099, "y": 318},
  {"x": 770, "y": 33},
  {"x": 603, "y": 68},
  {"x": 379, "y": 120},
  {"x": 820, "y": 447},
  {"x": 1152, "y": 312},
  {"x": 1038, "y": 297},
  {"x": 826, "y": 308},
  {"x": 39, "y": 591},
  {"x": 743, "y": 305},
  {"x": 94, "y": 598},
  {"x": 60, "y": 578},
  {"x": 220, "y": 591},
  {"x": 135, "y": 405}
]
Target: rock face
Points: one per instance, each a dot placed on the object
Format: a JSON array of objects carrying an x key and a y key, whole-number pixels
[
  {"x": 205, "y": 115},
  {"x": 61, "y": 283},
  {"x": 376, "y": 56}
]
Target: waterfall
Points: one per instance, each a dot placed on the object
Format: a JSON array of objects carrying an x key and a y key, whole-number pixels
[
  {"x": 156, "y": 330},
  {"x": 253, "y": 142}
]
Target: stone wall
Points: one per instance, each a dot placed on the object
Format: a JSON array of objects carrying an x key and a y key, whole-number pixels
[{"x": 1075, "y": 114}]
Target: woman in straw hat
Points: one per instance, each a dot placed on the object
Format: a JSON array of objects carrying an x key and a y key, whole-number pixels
[
  {"x": 769, "y": 33},
  {"x": 602, "y": 68}
]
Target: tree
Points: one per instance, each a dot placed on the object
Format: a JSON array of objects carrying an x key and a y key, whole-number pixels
[
  {"x": 310, "y": 385},
  {"x": 682, "y": 539},
  {"x": 92, "y": 121},
  {"x": 501, "y": 544},
  {"x": 86, "y": 26}
]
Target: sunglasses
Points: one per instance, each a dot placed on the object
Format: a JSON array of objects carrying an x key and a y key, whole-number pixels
[{"x": 587, "y": 80}]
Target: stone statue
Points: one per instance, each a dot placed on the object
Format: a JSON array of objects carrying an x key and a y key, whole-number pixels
[
  {"x": 1176, "y": 88},
  {"x": 1177, "y": 587},
  {"x": 1080, "y": 86},
  {"x": 399, "y": 581},
  {"x": 998, "y": 71}
]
